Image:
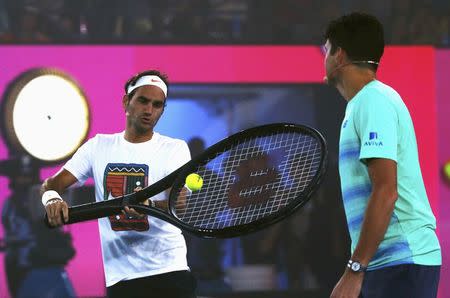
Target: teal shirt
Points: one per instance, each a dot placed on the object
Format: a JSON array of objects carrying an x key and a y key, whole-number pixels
[{"x": 377, "y": 124}]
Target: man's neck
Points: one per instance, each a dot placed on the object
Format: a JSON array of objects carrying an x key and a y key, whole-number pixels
[
  {"x": 135, "y": 137},
  {"x": 352, "y": 80}
]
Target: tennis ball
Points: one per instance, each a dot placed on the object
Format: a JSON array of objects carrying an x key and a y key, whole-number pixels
[
  {"x": 446, "y": 169},
  {"x": 194, "y": 181}
]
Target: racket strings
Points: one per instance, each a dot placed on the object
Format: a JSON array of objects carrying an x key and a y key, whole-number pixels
[
  {"x": 242, "y": 173},
  {"x": 249, "y": 211}
]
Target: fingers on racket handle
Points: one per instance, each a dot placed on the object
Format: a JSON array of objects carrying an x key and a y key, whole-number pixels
[{"x": 47, "y": 223}]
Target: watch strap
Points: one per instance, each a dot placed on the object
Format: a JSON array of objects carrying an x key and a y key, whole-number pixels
[{"x": 351, "y": 264}]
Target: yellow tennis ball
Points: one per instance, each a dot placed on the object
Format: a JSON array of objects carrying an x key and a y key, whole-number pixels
[
  {"x": 446, "y": 169},
  {"x": 194, "y": 181}
]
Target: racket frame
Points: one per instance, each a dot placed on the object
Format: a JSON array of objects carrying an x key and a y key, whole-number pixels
[
  {"x": 284, "y": 212},
  {"x": 176, "y": 180}
]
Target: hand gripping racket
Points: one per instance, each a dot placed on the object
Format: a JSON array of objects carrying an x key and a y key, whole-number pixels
[{"x": 251, "y": 180}]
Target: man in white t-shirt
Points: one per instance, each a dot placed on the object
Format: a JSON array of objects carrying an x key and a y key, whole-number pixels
[{"x": 143, "y": 256}]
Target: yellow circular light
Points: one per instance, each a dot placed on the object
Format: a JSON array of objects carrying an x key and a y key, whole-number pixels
[{"x": 47, "y": 115}]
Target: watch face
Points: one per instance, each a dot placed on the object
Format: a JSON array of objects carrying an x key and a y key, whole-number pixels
[{"x": 356, "y": 266}]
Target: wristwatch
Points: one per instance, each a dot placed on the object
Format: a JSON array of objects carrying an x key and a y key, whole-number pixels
[{"x": 356, "y": 266}]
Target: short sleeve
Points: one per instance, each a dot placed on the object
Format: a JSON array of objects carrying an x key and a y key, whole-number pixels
[
  {"x": 80, "y": 165},
  {"x": 180, "y": 155},
  {"x": 376, "y": 122}
]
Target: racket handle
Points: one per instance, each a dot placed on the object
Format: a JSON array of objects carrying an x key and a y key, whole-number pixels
[
  {"x": 85, "y": 213},
  {"x": 88, "y": 212}
]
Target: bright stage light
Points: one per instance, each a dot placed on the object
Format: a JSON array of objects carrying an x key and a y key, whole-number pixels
[{"x": 45, "y": 114}]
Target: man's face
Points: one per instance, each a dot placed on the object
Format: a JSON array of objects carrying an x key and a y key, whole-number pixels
[
  {"x": 144, "y": 109},
  {"x": 329, "y": 63}
]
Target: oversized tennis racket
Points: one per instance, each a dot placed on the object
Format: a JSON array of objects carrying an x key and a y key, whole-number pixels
[{"x": 251, "y": 180}]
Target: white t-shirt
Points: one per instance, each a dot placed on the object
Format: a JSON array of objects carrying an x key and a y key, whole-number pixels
[{"x": 133, "y": 248}]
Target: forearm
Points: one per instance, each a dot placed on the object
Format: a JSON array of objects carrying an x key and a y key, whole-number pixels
[
  {"x": 59, "y": 182},
  {"x": 376, "y": 221},
  {"x": 50, "y": 184}
]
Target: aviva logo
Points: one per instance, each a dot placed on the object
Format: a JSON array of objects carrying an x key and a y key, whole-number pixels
[{"x": 373, "y": 140}]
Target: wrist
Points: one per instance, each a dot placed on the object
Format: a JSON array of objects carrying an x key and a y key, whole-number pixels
[
  {"x": 49, "y": 197},
  {"x": 355, "y": 266}
]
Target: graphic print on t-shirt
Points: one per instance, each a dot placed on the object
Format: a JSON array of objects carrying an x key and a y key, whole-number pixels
[{"x": 121, "y": 179}]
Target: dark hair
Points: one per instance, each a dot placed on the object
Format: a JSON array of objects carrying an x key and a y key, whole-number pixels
[
  {"x": 360, "y": 35},
  {"x": 132, "y": 81}
]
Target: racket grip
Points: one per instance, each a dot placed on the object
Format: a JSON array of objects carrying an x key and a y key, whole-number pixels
[
  {"x": 73, "y": 218},
  {"x": 88, "y": 212},
  {"x": 85, "y": 212}
]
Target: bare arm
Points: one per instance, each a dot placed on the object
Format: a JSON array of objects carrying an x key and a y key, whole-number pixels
[
  {"x": 59, "y": 182},
  {"x": 55, "y": 207},
  {"x": 383, "y": 175}
]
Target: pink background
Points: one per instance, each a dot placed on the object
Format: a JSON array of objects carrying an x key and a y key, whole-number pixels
[
  {"x": 417, "y": 73},
  {"x": 443, "y": 105}
]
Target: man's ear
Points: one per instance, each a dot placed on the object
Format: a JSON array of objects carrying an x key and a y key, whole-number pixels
[
  {"x": 125, "y": 101},
  {"x": 164, "y": 106},
  {"x": 341, "y": 56}
]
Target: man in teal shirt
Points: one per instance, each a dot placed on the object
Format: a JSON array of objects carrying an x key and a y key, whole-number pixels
[{"x": 395, "y": 251}]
